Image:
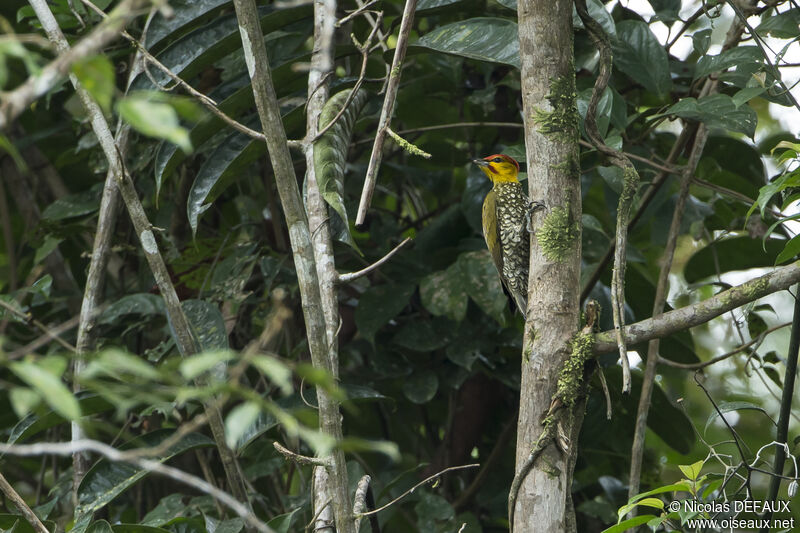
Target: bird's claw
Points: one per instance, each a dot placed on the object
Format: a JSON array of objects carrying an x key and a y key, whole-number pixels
[{"x": 533, "y": 206}]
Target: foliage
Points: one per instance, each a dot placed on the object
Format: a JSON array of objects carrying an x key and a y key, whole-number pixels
[{"x": 429, "y": 346}]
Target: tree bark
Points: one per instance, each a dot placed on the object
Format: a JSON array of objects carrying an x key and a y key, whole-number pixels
[{"x": 543, "y": 502}]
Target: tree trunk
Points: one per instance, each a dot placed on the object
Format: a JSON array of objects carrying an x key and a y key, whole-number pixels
[{"x": 543, "y": 501}]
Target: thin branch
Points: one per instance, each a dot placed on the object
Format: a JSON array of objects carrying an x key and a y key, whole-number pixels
[
  {"x": 418, "y": 485},
  {"x": 646, "y": 161},
  {"x": 112, "y": 454},
  {"x": 44, "y": 329},
  {"x": 44, "y": 339},
  {"x": 386, "y": 112},
  {"x": 702, "y": 364},
  {"x": 355, "y": 13},
  {"x": 299, "y": 459},
  {"x": 698, "y": 313},
  {"x": 207, "y": 101},
  {"x": 351, "y": 276},
  {"x": 18, "y": 100},
  {"x": 23, "y": 507}
]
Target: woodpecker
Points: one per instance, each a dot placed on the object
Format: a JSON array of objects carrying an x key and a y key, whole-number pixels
[{"x": 506, "y": 216}]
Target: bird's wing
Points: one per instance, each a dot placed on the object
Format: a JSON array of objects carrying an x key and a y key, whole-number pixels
[{"x": 491, "y": 232}]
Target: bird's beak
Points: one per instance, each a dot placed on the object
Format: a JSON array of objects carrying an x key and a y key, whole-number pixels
[{"x": 481, "y": 162}]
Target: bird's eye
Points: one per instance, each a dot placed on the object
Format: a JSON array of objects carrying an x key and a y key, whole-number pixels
[{"x": 498, "y": 160}]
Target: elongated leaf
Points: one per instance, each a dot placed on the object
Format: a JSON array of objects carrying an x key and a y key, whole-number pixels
[
  {"x": 96, "y": 74},
  {"x": 200, "y": 48},
  {"x": 184, "y": 12},
  {"x": 378, "y": 305},
  {"x": 638, "y": 54},
  {"x": 49, "y": 387},
  {"x": 485, "y": 39},
  {"x": 33, "y": 424},
  {"x": 717, "y": 110},
  {"x": 598, "y": 12},
  {"x": 482, "y": 283},
  {"x": 781, "y": 25},
  {"x": 223, "y": 167},
  {"x": 330, "y": 151},
  {"x": 106, "y": 480},
  {"x": 729, "y": 58},
  {"x": 154, "y": 119},
  {"x": 239, "y": 421},
  {"x": 139, "y": 304},
  {"x": 727, "y": 407},
  {"x": 207, "y": 324}
]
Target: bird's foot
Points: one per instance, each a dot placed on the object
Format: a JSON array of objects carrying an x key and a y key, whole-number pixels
[{"x": 533, "y": 206}]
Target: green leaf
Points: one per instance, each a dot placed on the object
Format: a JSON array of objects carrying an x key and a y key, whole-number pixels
[
  {"x": 765, "y": 193},
  {"x": 729, "y": 58},
  {"x": 34, "y": 424},
  {"x": 692, "y": 471},
  {"x": 427, "y": 5},
  {"x": 23, "y": 400},
  {"x": 48, "y": 246},
  {"x": 207, "y": 324},
  {"x": 443, "y": 294},
  {"x": 197, "y": 364},
  {"x": 781, "y": 25},
  {"x": 168, "y": 508},
  {"x": 629, "y": 524},
  {"x": 140, "y": 304},
  {"x": 730, "y": 255},
  {"x": 727, "y": 407},
  {"x": 274, "y": 369},
  {"x": 420, "y": 388},
  {"x": 283, "y": 523},
  {"x": 747, "y": 94},
  {"x": 716, "y": 110},
  {"x": 49, "y": 387},
  {"x": 701, "y": 40},
  {"x": 239, "y": 421},
  {"x": 378, "y": 305},
  {"x": 182, "y": 13},
  {"x": 598, "y": 12},
  {"x": 486, "y": 39},
  {"x": 116, "y": 363},
  {"x": 101, "y": 526},
  {"x": 638, "y": 54},
  {"x": 74, "y": 205},
  {"x": 96, "y": 74},
  {"x": 789, "y": 251},
  {"x": 482, "y": 283},
  {"x": 647, "y": 502},
  {"x": 108, "y": 479},
  {"x": 154, "y": 119},
  {"x": 330, "y": 151}
]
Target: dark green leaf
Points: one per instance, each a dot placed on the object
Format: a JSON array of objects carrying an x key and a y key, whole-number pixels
[
  {"x": 717, "y": 110},
  {"x": 485, "y": 39},
  {"x": 283, "y": 523},
  {"x": 701, "y": 41},
  {"x": 781, "y": 25},
  {"x": 729, "y": 255},
  {"x": 138, "y": 304},
  {"x": 183, "y": 12},
  {"x": 598, "y": 12},
  {"x": 638, "y": 54},
  {"x": 107, "y": 479},
  {"x": 789, "y": 251},
  {"x": 727, "y": 407},
  {"x": 74, "y": 205},
  {"x": 421, "y": 387},
  {"x": 482, "y": 283},
  {"x": 34, "y": 424},
  {"x": 378, "y": 305},
  {"x": 207, "y": 324},
  {"x": 443, "y": 293},
  {"x": 726, "y": 59}
]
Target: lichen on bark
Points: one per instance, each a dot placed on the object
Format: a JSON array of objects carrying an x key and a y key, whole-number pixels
[{"x": 557, "y": 234}]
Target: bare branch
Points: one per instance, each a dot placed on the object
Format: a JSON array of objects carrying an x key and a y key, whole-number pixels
[
  {"x": 37, "y": 86},
  {"x": 351, "y": 276},
  {"x": 360, "y": 500},
  {"x": 386, "y": 112},
  {"x": 701, "y": 312},
  {"x": 299, "y": 459},
  {"x": 69, "y": 448},
  {"x": 44, "y": 329},
  {"x": 418, "y": 485},
  {"x": 23, "y": 507}
]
